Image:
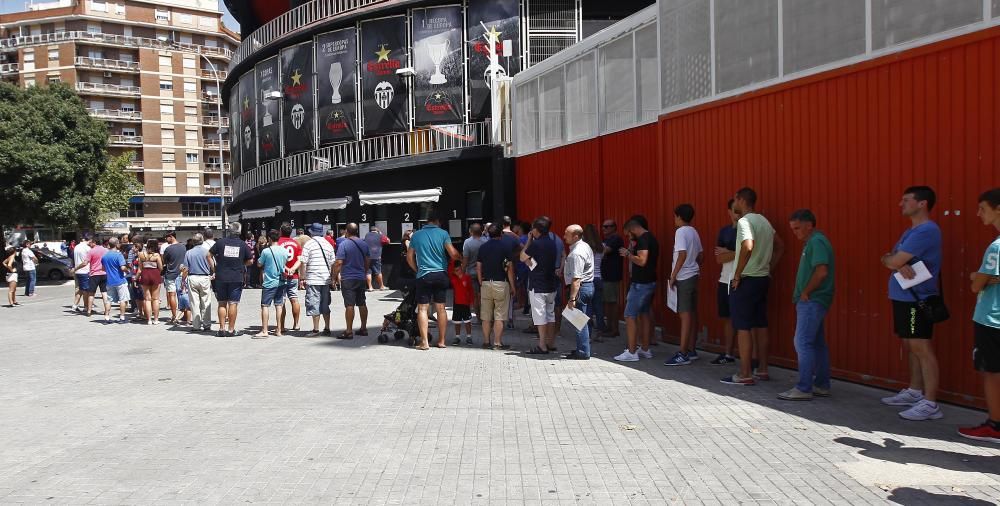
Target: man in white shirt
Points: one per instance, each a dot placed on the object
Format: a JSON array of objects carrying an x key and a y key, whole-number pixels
[
  {"x": 81, "y": 275},
  {"x": 28, "y": 262},
  {"x": 684, "y": 279},
  {"x": 578, "y": 274},
  {"x": 317, "y": 260}
]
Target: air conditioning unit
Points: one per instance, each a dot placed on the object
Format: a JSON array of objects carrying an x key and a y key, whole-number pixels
[{"x": 108, "y": 74}]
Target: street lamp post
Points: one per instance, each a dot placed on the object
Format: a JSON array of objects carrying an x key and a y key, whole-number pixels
[{"x": 222, "y": 165}]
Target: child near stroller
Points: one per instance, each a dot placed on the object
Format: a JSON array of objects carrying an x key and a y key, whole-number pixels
[{"x": 402, "y": 322}]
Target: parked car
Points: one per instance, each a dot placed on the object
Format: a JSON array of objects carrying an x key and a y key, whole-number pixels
[{"x": 53, "y": 266}]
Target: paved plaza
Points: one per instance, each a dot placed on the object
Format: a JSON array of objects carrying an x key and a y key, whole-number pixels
[{"x": 132, "y": 414}]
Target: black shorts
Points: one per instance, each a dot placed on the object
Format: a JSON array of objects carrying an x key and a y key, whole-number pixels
[
  {"x": 461, "y": 314},
  {"x": 98, "y": 281},
  {"x": 433, "y": 288},
  {"x": 722, "y": 300},
  {"x": 354, "y": 291},
  {"x": 909, "y": 323},
  {"x": 986, "y": 353},
  {"x": 748, "y": 303},
  {"x": 228, "y": 291}
]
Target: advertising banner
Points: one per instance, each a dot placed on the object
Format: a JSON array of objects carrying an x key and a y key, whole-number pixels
[
  {"x": 502, "y": 21},
  {"x": 439, "y": 85},
  {"x": 235, "y": 130},
  {"x": 268, "y": 117},
  {"x": 297, "y": 107},
  {"x": 336, "y": 79},
  {"x": 384, "y": 93},
  {"x": 247, "y": 134}
]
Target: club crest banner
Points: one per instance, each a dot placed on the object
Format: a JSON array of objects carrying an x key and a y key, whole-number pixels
[
  {"x": 297, "y": 109},
  {"x": 439, "y": 85},
  {"x": 384, "y": 93},
  {"x": 268, "y": 117},
  {"x": 336, "y": 78},
  {"x": 502, "y": 21}
]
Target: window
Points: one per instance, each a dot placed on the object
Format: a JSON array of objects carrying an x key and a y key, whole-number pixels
[
  {"x": 200, "y": 209},
  {"x": 166, "y": 109},
  {"x": 29, "y": 57},
  {"x": 191, "y": 135},
  {"x": 120, "y": 9},
  {"x": 28, "y": 83},
  {"x": 185, "y": 18},
  {"x": 162, "y": 15},
  {"x": 54, "y": 54},
  {"x": 167, "y": 156},
  {"x": 190, "y": 87},
  {"x": 99, "y": 5},
  {"x": 193, "y": 182},
  {"x": 127, "y": 107},
  {"x": 128, "y": 131},
  {"x": 165, "y": 84},
  {"x": 169, "y": 184},
  {"x": 93, "y": 28},
  {"x": 135, "y": 210},
  {"x": 167, "y": 135},
  {"x": 206, "y": 22},
  {"x": 188, "y": 63},
  {"x": 165, "y": 61},
  {"x": 126, "y": 57},
  {"x": 54, "y": 79},
  {"x": 191, "y": 157},
  {"x": 190, "y": 110}
]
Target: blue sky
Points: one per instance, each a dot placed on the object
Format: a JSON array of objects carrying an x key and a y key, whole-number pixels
[{"x": 19, "y": 5}]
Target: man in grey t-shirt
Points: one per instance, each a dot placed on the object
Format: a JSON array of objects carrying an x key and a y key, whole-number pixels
[
  {"x": 173, "y": 257},
  {"x": 375, "y": 240},
  {"x": 470, "y": 256}
]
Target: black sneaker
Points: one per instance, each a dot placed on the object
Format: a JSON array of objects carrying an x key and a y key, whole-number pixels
[
  {"x": 723, "y": 359},
  {"x": 326, "y": 332},
  {"x": 221, "y": 333},
  {"x": 456, "y": 342}
]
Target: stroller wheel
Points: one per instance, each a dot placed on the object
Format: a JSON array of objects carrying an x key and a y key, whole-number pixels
[
  {"x": 383, "y": 338},
  {"x": 400, "y": 335}
]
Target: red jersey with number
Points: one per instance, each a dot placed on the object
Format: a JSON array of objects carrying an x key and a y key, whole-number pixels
[{"x": 294, "y": 250}]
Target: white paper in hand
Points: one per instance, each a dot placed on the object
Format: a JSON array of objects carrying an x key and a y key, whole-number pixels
[
  {"x": 576, "y": 317},
  {"x": 922, "y": 274},
  {"x": 672, "y": 298},
  {"x": 531, "y": 263}
]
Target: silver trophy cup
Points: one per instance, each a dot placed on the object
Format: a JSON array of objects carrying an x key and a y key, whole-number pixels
[
  {"x": 336, "y": 77},
  {"x": 438, "y": 51}
]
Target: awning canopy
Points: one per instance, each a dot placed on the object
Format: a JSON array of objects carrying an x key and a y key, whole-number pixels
[
  {"x": 400, "y": 197},
  {"x": 319, "y": 205},
  {"x": 267, "y": 212}
]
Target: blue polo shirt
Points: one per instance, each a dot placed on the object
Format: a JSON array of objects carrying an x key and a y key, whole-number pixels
[
  {"x": 428, "y": 243},
  {"x": 353, "y": 252}
]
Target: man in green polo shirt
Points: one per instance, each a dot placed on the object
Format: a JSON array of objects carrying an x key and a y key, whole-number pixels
[{"x": 812, "y": 298}]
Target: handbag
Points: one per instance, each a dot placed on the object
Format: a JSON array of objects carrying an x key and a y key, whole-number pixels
[{"x": 932, "y": 307}]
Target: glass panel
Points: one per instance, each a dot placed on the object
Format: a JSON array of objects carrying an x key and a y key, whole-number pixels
[
  {"x": 818, "y": 32},
  {"x": 527, "y": 117},
  {"x": 996, "y": 8},
  {"x": 617, "y": 91},
  {"x": 898, "y": 21},
  {"x": 647, "y": 73},
  {"x": 746, "y": 42},
  {"x": 685, "y": 51},
  {"x": 551, "y": 105},
  {"x": 581, "y": 98}
]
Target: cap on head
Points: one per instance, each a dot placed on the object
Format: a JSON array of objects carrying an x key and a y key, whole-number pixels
[{"x": 316, "y": 229}]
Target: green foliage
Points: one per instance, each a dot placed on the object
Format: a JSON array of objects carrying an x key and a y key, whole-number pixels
[
  {"x": 52, "y": 156},
  {"x": 115, "y": 187}
]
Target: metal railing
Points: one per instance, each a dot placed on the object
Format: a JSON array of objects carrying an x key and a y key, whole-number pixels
[
  {"x": 216, "y": 167},
  {"x": 213, "y": 121},
  {"x": 135, "y": 165},
  {"x": 109, "y": 89},
  {"x": 220, "y": 75},
  {"x": 214, "y": 144},
  {"x": 9, "y": 68},
  {"x": 107, "y": 64},
  {"x": 215, "y": 190},
  {"x": 212, "y": 98},
  {"x": 385, "y": 147},
  {"x": 125, "y": 139},
  {"x": 107, "y": 38},
  {"x": 116, "y": 114},
  {"x": 295, "y": 20}
]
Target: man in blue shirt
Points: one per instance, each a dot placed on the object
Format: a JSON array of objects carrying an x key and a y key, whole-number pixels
[
  {"x": 272, "y": 262},
  {"x": 114, "y": 265},
  {"x": 351, "y": 267},
  {"x": 920, "y": 243},
  {"x": 540, "y": 255},
  {"x": 429, "y": 254}
]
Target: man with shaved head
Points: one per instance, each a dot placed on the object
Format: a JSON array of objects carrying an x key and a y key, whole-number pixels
[{"x": 578, "y": 274}]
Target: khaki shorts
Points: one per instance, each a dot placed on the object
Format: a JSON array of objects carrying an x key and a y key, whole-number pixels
[
  {"x": 495, "y": 301},
  {"x": 611, "y": 292}
]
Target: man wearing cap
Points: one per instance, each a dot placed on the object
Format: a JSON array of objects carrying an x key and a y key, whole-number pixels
[{"x": 316, "y": 265}]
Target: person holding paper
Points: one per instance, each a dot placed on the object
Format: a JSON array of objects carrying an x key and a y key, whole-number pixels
[
  {"x": 986, "y": 321},
  {"x": 725, "y": 255},
  {"x": 540, "y": 256},
  {"x": 638, "y": 302},
  {"x": 919, "y": 243},
  {"x": 578, "y": 274},
  {"x": 812, "y": 298},
  {"x": 684, "y": 282}
]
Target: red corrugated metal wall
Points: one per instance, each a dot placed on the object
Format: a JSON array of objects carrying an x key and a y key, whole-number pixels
[{"x": 845, "y": 144}]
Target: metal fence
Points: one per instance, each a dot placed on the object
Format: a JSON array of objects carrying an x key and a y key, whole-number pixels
[
  {"x": 294, "y": 20},
  {"x": 107, "y": 38},
  {"x": 109, "y": 89},
  {"x": 338, "y": 156},
  {"x": 107, "y": 64}
]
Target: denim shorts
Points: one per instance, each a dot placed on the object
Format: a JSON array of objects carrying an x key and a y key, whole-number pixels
[
  {"x": 273, "y": 296},
  {"x": 118, "y": 294},
  {"x": 228, "y": 292},
  {"x": 292, "y": 288},
  {"x": 317, "y": 300},
  {"x": 376, "y": 267},
  {"x": 82, "y": 282},
  {"x": 639, "y": 299}
]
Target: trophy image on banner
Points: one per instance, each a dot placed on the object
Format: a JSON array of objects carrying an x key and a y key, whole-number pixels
[
  {"x": 267, "y": 120},
  {"x": 438, "y": 51},
  {"x": 336, "y": 77}
]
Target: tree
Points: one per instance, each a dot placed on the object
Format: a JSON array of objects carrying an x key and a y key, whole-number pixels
[
  {"x": 52, "y": 154},
  {"x": 115, "y": 187}
]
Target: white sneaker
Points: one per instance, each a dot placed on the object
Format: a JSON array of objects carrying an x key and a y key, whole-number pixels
[
  {"x": 644, "y": 353},
  {"x": 627, "y": 356},
  {"x": 107, "y": 317},
  {"x": 905, "y": 397},
  {"x": 922, "y": 410}
]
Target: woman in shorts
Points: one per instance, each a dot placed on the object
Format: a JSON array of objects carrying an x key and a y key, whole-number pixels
[
  {"x": 10, "y": 267},
  {"x": 150, "y": 267}
]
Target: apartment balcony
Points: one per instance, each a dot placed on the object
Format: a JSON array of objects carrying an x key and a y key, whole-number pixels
[
  {"x": 125, "y": 140},
  {"x": 13, "y": 43},
  {"x": 211, "y": 98},
  {"x": 107, "y": 89},
  {"x": 9, "y": 68},
  {"x": 135, "y": 166},
  {"x": 209, "y": 74},
  {"x": 213, "y": 121},
  {"x": 215, "y": 190},
  {"x": 116, "y": 114},
  {"x": 217, "y": 167},
  {"x": 214, "y": 144},
  {"x": 108, "y": 65}
]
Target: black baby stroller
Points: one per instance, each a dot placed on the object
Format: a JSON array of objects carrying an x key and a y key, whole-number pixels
[{"x": 402, "y": 322}]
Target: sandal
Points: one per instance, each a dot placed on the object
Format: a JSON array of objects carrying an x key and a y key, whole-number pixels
[
  {"x": 502, "y": 347},
  {"x": 363, "y": 332},
  {"x": 260, "y": 335},
  {"x": 423, "y": 348},
  {"x": 487, "y": 346},
  {"x": 345, "y": 335},
  {"x": 537, "y": 351}
]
